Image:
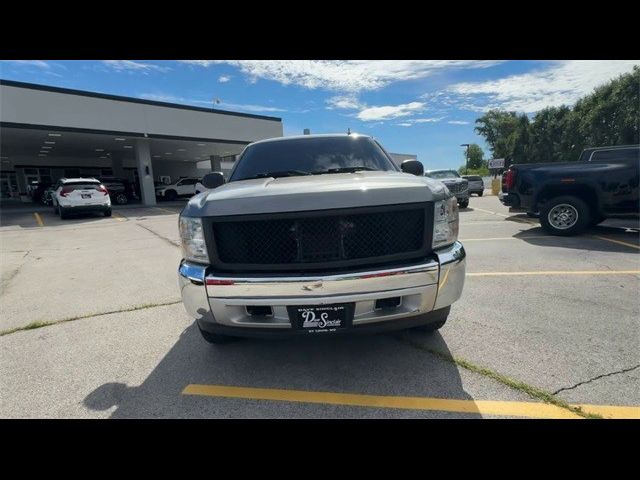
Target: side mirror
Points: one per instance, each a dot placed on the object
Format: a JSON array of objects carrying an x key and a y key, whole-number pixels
[
  {"x": 213, "y": 180},
  {"x": 413, "y": 167}
]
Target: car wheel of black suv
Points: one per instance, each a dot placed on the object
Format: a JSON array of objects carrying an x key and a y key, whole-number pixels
[
  {"x": 596, "y": 220},
  {"x": 121, "y": 199},
  {"x": 565, "y": 215},
  {"x": 480, "y": 194},
  {"x": 464, "y": 204},
  {"x": 216, "y": 339}
]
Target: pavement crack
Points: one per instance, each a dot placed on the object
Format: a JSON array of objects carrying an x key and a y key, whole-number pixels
[
  {"x": 34, "y": 325},
  {"x": 598, "y": 377},
  {"x": 168, "y": 240},
  {"x": 530, "y": 390}
]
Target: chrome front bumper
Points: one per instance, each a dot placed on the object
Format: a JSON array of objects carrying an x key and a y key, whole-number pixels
[{"x": 221, "y": 299}]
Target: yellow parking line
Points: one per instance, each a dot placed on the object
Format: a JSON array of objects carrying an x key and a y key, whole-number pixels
[
  {"x": 482, "y": 407},
  {"x": 525, "y": 220},
  {"x": 619, "y": 242},
  {"x": 167, "y": 210},
  {"x": 504, "y": 238},
  {"x": 39, "y": 219},
  {"x": 612, "y": 411},
  {"x": 569, "y": 272},
  {"x": 119, "y": 217}
]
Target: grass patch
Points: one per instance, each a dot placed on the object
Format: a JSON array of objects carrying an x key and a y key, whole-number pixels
[
  {"x": 533, "y": 392},
  {"x": 38, "y": 324}
]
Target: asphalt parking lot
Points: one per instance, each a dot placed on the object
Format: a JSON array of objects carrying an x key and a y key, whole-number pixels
[{"x": 539, "y": 316}]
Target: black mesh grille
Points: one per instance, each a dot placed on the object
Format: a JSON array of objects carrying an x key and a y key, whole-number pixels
[
  {"x": 457, "y": 187},
  {"x": 318, "y": 238}
]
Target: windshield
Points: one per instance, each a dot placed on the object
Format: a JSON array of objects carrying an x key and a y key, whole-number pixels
[
  {"x": 314, "y": 155},
  {"x": 442, "y": 174}
]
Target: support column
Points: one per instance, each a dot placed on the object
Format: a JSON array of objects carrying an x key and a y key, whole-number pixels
[
  {"x": 145, "y": 172},
  {"x": 116, "y": 166},
  {"x": 216, "y": 163}
]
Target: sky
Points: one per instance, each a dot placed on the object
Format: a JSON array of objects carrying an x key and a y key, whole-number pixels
[{"x": 422, "y": 107}]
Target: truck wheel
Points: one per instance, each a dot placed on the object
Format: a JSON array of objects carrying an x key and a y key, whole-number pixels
[
  {"x": 565, "y": 216},
  {"x": 480, "y": 193},
  {"x": 432, "y": 327},
  {"x": 596, "y": 220},
  {"x": 215, "y": 338},
  {"x": 435, "y": 320},
  {"x": 464, "y": 204},
  {"x": 170, "y": 195},
  {"x": 107, "y": 212}
]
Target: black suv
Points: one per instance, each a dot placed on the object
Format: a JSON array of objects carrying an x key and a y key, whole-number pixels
[
  {"x": 120, "y": 190},
  {"x": 572, "y": 196}
]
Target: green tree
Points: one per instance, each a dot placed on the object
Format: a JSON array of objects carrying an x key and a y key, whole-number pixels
[
  {"x": 476, "y": 156},
  {"x": 499, "y": 130},
  {"x": 608, "y": 116}
]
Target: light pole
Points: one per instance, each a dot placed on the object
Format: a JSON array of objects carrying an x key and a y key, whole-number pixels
[{"x": 467, "y": 155}]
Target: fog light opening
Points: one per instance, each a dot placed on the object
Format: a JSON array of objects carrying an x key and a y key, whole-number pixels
[
  {"x": 259, "y": 310},
  {"x": 393, "y": 302}
]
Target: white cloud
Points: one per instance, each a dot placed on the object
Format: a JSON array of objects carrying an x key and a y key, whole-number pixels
[
  {"x": 31, "y": 63},
  {"x": 563, "y": 83},
  {"x": 458, "y": 122},
  {"x": 426, "y": 120},
  {"x": 163, "y": 97},
  {"x": 413, "y": 121},
  {"x": 224, "y": 78},
  {"x": 132, "y": 66},
  {"x": 347, "y": 102},
  {"x": 343, "y": 75},
  {"x": 251, "y": 107},
  {"x": 387, "y": 112}
]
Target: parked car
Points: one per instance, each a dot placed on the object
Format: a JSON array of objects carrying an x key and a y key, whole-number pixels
[
  {"x": 319, "y": 235},
  {"x": 456, "y": 184},
  {"x": 183, "y": 187},
  {"x": 476, "y": 184},
  {"x": 120, "y": 190},
  {"x": 80, "y": 195},
  {"x": 37, "y": 190},
  {"x": 200, "y": 186},
  {"x": 571, "y": 196},
  {"x": 47, "y": 196}
]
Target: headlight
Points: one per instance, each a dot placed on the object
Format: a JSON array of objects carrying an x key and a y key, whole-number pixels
[
  {"x": 445, "y": 222},
  {"x": 192, "y": 240}
]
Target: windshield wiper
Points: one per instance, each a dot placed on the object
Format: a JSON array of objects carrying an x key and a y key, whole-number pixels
[
  {"x": 343, "y": 170},
  {"x": 278, "y": 174}
]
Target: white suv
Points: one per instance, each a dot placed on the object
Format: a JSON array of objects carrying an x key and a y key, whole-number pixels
[
  {"x": 80, "y": 195},
  {"x": 184, "y": 186}
]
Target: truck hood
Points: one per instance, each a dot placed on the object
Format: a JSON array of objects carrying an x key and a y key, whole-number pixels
[{"x": 314, "y": 192}]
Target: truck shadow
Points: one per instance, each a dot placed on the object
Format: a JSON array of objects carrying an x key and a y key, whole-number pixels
[
  {"x": 373, "y": 364},
  {"x": 600, "y": 238}
]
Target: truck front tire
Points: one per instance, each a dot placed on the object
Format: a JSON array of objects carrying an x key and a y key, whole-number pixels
[
  {"x": 434, "y": 320},
  {"x": 215, "y": 338},
  {"x": 565, "y": 215}
]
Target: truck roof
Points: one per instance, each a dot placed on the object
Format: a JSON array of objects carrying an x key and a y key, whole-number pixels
[{"x": 318, "y": 135}]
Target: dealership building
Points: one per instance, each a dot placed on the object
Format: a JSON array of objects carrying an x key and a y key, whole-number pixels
[{"x": 47, "y": 133}]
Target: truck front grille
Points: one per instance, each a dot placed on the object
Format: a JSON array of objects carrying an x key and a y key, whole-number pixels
[
  {"x": 457, "y": 187},
  {"x": 321, "y": 239}
]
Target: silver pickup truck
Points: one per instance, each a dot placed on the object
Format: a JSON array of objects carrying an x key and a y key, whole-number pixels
[{"x": 316, "y": 235}]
